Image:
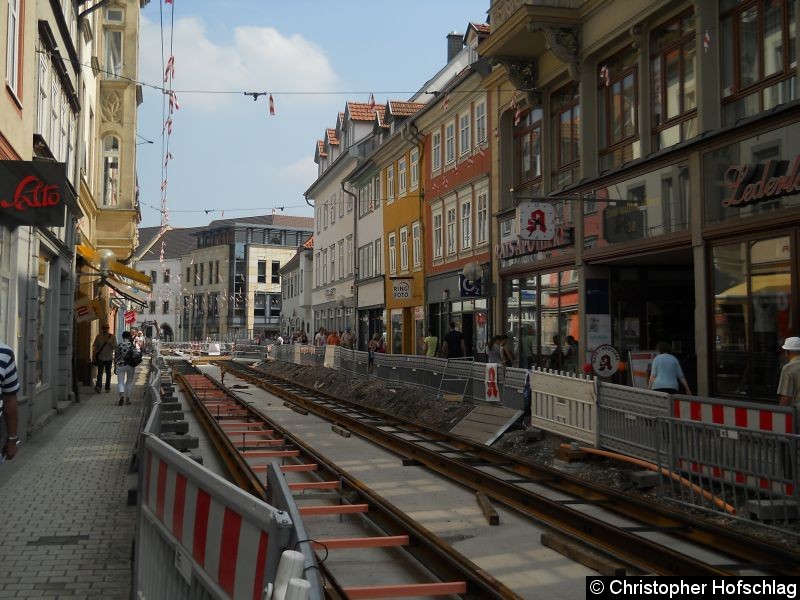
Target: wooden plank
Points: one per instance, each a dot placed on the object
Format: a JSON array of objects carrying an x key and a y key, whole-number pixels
[
  {"x": 314, "y": 485},
  {"x": 333, "y": 509},
  {"x": 407, "y": 589},
  {"x": 340, "y": 430},
  {"x": 384, "y": 541},
  {"x": 488, "y": 510}
]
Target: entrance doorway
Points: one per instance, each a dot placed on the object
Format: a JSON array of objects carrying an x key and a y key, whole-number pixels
[{"x": 650, "y": 304}]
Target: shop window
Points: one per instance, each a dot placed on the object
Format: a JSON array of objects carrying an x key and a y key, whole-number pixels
[
  {"x": 618, "y": 109},
  {"x": 566, "y": 139},
  {"x": 673, "y": 83},
  {"x": 41, "y": 356},
  {"x": 5, "y": 278},
  {"x": 758, "y": 55},
  {"x": 397, "y": 331},
  {"x": 528, "y": 150},
  {"x": 753, "y": 314}
]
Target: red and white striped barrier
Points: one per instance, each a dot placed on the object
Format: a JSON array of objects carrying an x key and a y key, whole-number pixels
[
  {"x": 775, "y": 419},
  {"x": 231, "y": 548}
]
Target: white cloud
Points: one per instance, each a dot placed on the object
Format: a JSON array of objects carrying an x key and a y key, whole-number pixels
[
  {"x": 257, "y": 59},
  {"x": 301, "y": 172}
]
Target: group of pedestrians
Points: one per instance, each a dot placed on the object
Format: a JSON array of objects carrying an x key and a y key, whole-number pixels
[
  {"x": 123, "y": 356},
  {"x": 344, "y": 338}
]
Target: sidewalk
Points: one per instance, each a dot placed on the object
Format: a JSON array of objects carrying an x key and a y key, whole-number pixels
[{"x": 65, "y": 527}]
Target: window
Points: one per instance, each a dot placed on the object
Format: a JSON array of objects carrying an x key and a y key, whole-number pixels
[
  {"x": 332, "y": 254},
  {"x": 166, "y": 276},
  {"x": 115, "y": 15},
  {"x": 350, "y": 254},
  {"x": 566, "y": 142},
  {"x": 466, "y": 225},
  {"x": 376, "y": 192},
  {"x": 417, "y": 244},
  {"x": 401, "y": 177},
  {"x": 673, "y": 87},
  {"x": 414, "y": 169},
  {"x": 12, "y": 48},
  {"x": 260, "y": 305},
  {"x": 340, "y": 201},
  {"x": 63, "y": 134},
  {"x": 465, "y": 141},
  {"x": 618, "y": 110},
  {"x": 202, "y": 274},
  {"x": 188, "y": 275},
  {"x": 114, "y": 59},
  {"x": 483, "y": 219},
  {"x": 152, "y": 307},
  {"x": 449, "y": 143},
  {"x": 216, "y": 268},
  {"x": 390, "y": 183},
  {"x": 324, "y": 266},
  {"x": 276, "y": 275},
  {"x": 165, "y": 307},
  {"x": 262, "y": 271},
  {"x": 451, "y": 230},
  {"x": 528, "y": 150},
  {"x": 436, "y": 151},
  {"x": 437, "y": 235},
  {"x": 153, "y": 277},
  {"x": 365, "y": 262},
  {"x": 340, "y": 247},
  {"x": 392, "y": 253},
  {"x": 317, "y": 262},
  {"x": 194, "y": 272},
  {"x": 480, "y": 123},
  {"x": 404, "y": 248},
  {"x": 55, "y": 102},
  {"x": 318, "y": 214},
  {"x": 379, "y": 260},
  {"x": 333, "y": 209},
  {"x": 349, "y": 202},
  {"x": 365, "y": 200},
  {"x": 110, "y": 170},
  {"x": 758, "y": 54},
  {"x": 41, "y": 104}
]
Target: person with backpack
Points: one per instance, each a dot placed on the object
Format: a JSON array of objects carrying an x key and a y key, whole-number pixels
[
  {"x": 103, "y": 355},
  {"x": 126, "y": 359}
]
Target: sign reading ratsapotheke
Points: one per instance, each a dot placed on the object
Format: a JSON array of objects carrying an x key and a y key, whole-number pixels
[
  {"x": 751, "y": 183},
  {"x": 32, "y": 193}
]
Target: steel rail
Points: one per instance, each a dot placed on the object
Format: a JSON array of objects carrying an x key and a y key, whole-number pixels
[
  {"x": 432, "y": 553},
  {"x": 624, "y": 545}
]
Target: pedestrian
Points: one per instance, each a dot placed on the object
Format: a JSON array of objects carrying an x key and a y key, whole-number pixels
[
  {"x": 526, "y": 343},
  {"x": 279, "y": 341},
  {"x": 789, "y": 384},
  {"x": 493, "y": 352},
  {"x": 666, "y": 372},
  {"x": 124, "y": 367},
  {"x": 453, "y": 345},
  {"x": 556, "y": 359},
  {"x": 103, "y": 355},
  {"x": 429, "y": 344},
  {"x": 506, "y": 354},
  {"x": 319, "y": 338},
  {"x": 303, "y": 338},
  {"x": 333, "y": 338},
  {"x": 571, "y": 355},
  {"x": 138, "y": 340},
  {"x": 9, "y": 386},
  {"x": 373, "y": 347},
  {"x": 348, "y": 339}
]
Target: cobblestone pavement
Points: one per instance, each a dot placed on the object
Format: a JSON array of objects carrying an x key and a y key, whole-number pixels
[{"x": 65, "y": 527}]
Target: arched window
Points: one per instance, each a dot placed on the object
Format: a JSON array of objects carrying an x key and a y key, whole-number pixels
[{"x": 110, "y": 170}]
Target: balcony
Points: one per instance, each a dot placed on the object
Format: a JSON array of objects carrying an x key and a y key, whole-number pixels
[{"x": 501, "y": 10}]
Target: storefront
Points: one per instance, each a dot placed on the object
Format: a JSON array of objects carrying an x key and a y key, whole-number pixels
[
  {"x": 751, "y": 221},
  {"x": 455, "y": 298}
]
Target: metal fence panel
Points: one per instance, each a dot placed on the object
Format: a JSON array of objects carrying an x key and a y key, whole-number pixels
[
  {"x": 565, "y": 405},
  {"x": 626, "y": 419}
]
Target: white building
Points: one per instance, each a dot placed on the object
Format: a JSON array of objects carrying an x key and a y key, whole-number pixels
[{"x": 297, "y": 280}]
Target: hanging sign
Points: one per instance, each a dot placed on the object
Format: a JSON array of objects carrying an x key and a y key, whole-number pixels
[
  {"x": 33, "y": 193},
  {"x": 469, "y": 287},
  {"x": 87, "y": 310},
  {"x": 537, "y": 221},
  {"x": 605, "y": 360},
  {"x": 490, "y": 382},
  {"x": 401, "y": 289},
  {"x": 130, "y": 317}
]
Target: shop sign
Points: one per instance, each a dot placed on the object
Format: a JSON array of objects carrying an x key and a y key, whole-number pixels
[
  {"x": 605, "y": 360},
  {"x": 401, "y": 289},
  {"x": 622, "y": 224},
  {"x": 469, "y": 287},
  {"x": 520, "y": 247},
  {"x": 419, "y": 313},
  {"x": 32, "y": 193},
  {"x": 87, "y": 310},
  {"x": 537, "y": 221},
  {"x": 751, "y": 183},
  {"x": 129, "y": 316}
]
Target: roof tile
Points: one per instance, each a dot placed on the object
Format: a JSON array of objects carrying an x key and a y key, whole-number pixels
[
  {"x": 361, "y": 111},
  {"x": 404, "y": 109},
  {"x": 332, "y": 139}
]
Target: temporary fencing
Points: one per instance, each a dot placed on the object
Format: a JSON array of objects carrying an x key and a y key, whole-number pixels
[
  {"x": 627, "y": 419},
  {"x": 199, "y": 536},
  {"x": 565, "y": 404}
]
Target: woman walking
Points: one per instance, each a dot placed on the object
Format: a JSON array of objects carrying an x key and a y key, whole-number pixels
[
  {"x": 494, "y": 351},
  {"x": 666, "y": 372}
]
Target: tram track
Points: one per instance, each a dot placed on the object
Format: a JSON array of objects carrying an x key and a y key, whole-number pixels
[
  {"x": 246, "y": 439},
  {"x": 503, "y": 477}
]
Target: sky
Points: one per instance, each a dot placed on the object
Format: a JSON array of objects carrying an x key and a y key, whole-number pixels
[{"x": 227, "y": 152}]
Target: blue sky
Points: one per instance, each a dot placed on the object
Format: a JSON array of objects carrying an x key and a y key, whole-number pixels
[{"x": 227, "y": 152}]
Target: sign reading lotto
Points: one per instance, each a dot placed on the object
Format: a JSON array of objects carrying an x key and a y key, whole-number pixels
[
  {"x": 32, "y": 193},
  {"x": 401, "y": 289}
]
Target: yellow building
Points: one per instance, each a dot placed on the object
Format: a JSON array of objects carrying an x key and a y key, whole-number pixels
[{"x": 398, "y": 160}]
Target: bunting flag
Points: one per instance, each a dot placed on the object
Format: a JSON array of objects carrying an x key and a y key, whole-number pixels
[
  {"x": 168, "y": 157},
  {"x": 516, "y": 108},
  {"x": 446, "y": 102},
  {"x": 371, "y": 102},
  {"x": 173, "y": 101},
  {"x": 482, "y": 150},
  {"x": 168, "y": 126},
  {"x": 163, "y": 247},
  {"x": 167, "y": 1},
  {"x": 496, "y": 133},
  {"x": 271, "y": 106},
  {"x": 163, "y": 185},
  {"x": 605, "y": 75},
  {"x": 706, "y": 41},
  {"x": 169, "y": 72}
]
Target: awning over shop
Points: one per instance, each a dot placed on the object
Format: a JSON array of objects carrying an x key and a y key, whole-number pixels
[
  {"x": 124, "y": 290},
  {"x": 762, "y": 285},
  {"x": 123, "y": 275}
]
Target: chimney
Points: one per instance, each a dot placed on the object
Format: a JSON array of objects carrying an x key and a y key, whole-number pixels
[{"x": 455, "y": 41}]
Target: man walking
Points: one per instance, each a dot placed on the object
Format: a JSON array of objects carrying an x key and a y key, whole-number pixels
[
  {"x": 103, "y": 352},
  {"x": 9, "y": 385},
  {"x": 123, "y": 367},
  {"x": 789, "y": 384},
  {"x": 453, "y": 345}
]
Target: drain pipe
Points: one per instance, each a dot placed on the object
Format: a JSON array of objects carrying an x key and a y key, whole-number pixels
[{"x": 355, "y": 264}]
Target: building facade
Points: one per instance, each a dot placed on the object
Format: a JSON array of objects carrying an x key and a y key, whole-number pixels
[
  {"x": 297, "y": 280},
  {"x": 673, "y": 205}
]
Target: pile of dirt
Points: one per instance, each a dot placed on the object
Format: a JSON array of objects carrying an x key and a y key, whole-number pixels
[{"x": 423, "y": 407}]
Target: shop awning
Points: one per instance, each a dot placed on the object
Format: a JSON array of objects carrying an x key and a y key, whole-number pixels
[
  {"x": 762, "y": 285},
  {"x": 124, "y": 290},
  {"x": 123, "y": 274}
]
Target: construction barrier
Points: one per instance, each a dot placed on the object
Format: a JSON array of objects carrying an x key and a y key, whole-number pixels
[
  {"x": 735, "y": 413},
  {"x": 627, "y": 419},
  {"x": 565, "y": 404}
]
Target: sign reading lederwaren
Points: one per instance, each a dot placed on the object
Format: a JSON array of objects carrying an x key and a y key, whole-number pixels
[{"x": 32, "y": 193}]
